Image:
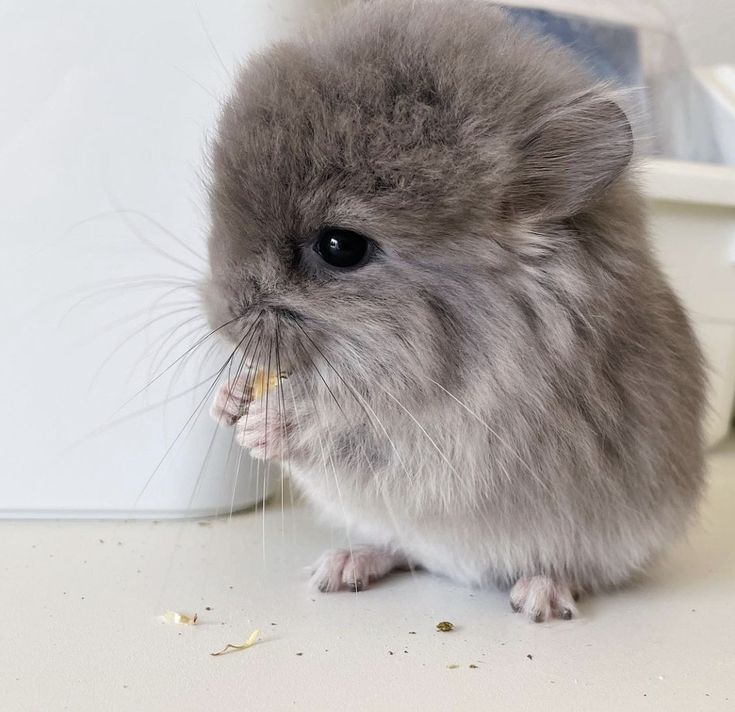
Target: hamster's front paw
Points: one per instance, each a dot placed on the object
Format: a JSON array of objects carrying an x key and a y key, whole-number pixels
[
  {"x": 263, "y": 430},
  {"x": 542, "y": 598},
  {"x": 354, "y": 570},
  {"x": 231, "y": 401}
]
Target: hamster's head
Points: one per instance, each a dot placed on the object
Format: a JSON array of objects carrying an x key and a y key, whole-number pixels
[{"x": 371, "y": 182}]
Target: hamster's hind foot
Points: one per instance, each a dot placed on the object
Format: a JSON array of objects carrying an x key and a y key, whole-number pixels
[
  {"x": 542, "y": 598},
  {"x": 354, "y": 570}
]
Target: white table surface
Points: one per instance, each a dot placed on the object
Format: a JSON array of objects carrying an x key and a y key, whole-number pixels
[{"x": 80, "y": 632}]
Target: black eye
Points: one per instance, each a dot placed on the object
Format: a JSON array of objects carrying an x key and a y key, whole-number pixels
[{"x": 343, "y": 248}]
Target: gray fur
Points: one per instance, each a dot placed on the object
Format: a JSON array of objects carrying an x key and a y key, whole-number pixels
[{"x": 519, "y": 391}]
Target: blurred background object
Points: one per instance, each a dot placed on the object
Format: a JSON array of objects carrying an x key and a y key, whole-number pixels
[{"x": 634, "y": 45}]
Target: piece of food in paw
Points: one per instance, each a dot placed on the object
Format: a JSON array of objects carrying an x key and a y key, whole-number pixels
[{"x": 265, "y": 381}]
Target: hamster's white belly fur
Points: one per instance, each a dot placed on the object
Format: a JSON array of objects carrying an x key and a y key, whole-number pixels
[{"x": 494, "y": 544}]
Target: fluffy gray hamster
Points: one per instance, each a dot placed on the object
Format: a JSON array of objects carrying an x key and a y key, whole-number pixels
[{"x": 425, "y": 216}]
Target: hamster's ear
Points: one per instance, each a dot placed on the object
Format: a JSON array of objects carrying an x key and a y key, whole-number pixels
[{"x": 568, "y": 157}]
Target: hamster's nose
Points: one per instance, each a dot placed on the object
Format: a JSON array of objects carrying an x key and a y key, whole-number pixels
[{"x": 261, "y": 294}]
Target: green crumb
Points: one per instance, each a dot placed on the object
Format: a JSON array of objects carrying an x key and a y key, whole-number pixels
[
  {"x": 452, "y": 667},
  {"x": 445, "y": 626}
]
